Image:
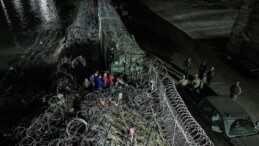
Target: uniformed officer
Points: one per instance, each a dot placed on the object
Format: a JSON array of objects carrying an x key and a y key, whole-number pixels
[
  {"x": 196, "y": 82},
  {"x": 203, "y": 81},
  {"x": 202, "y": 69},
  {"x": 235, "y": 90},
  {"x": 210, "y": 75},
  {"x": 187, "y": 66},
  {"x": 183, "y": 82}
]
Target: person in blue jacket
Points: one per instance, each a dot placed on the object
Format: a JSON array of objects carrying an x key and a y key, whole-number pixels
[
  {"x": 100, "y": 83},
  {"x": 92, "y": 82}
]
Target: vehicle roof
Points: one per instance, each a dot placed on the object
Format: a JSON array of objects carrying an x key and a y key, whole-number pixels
[{"x": 226, "y": 106}]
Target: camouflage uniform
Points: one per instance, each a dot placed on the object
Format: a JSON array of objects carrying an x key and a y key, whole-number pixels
[
  {"x": 235, "y": 90},
  {"x": 183, "y": 82},
  {"x": 203, "y": 81},
  {"x": 196, "y": 82},
  {"x": 202, "y": 69},
  {"x": 187, "y": 66},
  {"x": 210, "y": 75}
]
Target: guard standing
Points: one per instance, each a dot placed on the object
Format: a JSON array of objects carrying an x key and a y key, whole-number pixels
[
  {"x": 235, "y": 90},
  {"x": 187, "y": 66},
  {"x": 203, "y": 81},
  {"x": 210, "y": 75},
  {"x": 196, "y": 82},
  {"x": 202, "y": 69},
  {"x": 183, "y": 82}
]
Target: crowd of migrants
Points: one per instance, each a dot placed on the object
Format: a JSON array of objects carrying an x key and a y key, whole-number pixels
[
  {"x": 104, "y": 82},
  {"x": 202, "y": 78}
]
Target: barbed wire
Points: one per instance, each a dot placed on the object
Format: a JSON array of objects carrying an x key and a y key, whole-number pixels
[
  {"x": 185, "y": 125},
  {"x": 175, "y": 123},
  {"x": 149, "y": 102},
  {"x": 115, "y": 33},
  {"x": 160, "y": 107}
]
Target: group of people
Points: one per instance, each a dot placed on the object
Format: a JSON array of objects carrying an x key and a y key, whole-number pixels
[
  {"x": 204, "y": 77},
  {"x": 199, "y": 79},
  {"x": 99, "y": 81}
]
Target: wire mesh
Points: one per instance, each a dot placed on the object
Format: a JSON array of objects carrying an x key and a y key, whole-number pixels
[
  {"x": 175, "y": 123},
  {"x": 156, "y": 103},
  {"x": 149, "y": 102}
]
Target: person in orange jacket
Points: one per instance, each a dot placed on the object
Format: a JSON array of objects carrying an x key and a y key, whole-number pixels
[{"x": 102, "y": 102}]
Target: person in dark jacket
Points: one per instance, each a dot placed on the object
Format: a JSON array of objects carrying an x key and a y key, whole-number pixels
[
  {"x": 92, "y": 81},
  {"x": 210, "y": 75},
  {"x": 187, "y": 66},
  {"x": 202, "y": 69},
  {"x": 235, "y": 90},
  {"x": 203, "y": 81},
  {"x": 196, "y": 82},
  {"x": 100, "y": 83}
]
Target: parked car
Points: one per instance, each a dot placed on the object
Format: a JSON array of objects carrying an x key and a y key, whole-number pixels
[{"x": 227, "y": 118}]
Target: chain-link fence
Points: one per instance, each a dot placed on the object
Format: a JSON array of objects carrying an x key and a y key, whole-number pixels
[
  {"x": 174, "y": 121},
  {"x": 148, "y": 101},
  {"x": 120, "y": 49}
]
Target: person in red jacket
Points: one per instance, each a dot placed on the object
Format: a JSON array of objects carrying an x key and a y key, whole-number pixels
[{"x": 111, "y": 80}]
